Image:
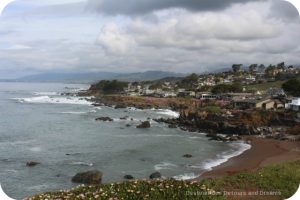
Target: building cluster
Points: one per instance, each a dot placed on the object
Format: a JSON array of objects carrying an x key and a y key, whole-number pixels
[{"x": 200, "y": 87}]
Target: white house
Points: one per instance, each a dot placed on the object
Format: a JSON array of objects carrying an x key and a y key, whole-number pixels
[{"x": 294, "y": 105}]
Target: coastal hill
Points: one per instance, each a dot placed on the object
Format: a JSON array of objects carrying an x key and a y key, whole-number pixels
[{"x": 93, "y": 77}]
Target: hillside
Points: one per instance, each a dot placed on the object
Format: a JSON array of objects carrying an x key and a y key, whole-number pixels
[{"x": 93, "y": 77}]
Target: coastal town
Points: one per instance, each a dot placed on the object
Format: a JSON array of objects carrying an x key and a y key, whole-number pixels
[
  {"x": 254, "y": 100},
  {"x": 259, "y": 106}
]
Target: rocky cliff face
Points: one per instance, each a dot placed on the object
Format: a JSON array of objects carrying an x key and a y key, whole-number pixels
[{"x": 233, "y": 123}]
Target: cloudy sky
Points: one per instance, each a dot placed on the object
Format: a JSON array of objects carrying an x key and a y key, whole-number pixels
[{"x": 140, "y": 35}]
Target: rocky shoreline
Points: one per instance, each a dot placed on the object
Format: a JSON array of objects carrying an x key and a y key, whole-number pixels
[{"x": 227, "y": 125}]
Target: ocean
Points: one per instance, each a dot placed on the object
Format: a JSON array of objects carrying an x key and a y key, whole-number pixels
[{"x": 39, "y": 124}]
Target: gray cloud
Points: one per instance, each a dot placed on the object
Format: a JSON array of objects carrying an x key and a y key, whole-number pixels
[
  {"x": 284, "y": 11},
  {"x": 138, "y": 7},
  {"x": 61, "y": 37}
]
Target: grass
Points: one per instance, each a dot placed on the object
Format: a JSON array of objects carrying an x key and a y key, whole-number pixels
[
  {"x": 283, "y": 180},
  {"x": 265, "y": 86}
]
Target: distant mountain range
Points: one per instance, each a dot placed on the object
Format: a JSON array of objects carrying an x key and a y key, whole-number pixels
[{"x": 93, "y": 77}]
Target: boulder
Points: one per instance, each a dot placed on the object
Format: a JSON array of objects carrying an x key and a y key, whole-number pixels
[
  {"x": 124, "y": 118},
  {"x": 145, "y": 124},
  {"x": 105, "y": 119},
  {"x": 89, "y": 177},
  {"x": 155, "y": 175},
  {"x": 128, "y": 177},
  {"x": 187, "y": 156},
  {"x": 32, "y": 163},
  {"x": 120, "y": 107}
]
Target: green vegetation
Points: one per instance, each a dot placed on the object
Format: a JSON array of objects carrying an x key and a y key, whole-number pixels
[
  {"x": 236, "y": 67},
  {"x": 265, "y": 86},
  {"x": 211, "y": 109},
  {"x": 109, "y": 87},
  {"x": 223, "y": 88},
  {"x": 189, "y": 81},
  {"x": 155, "y": 86},
  {"x": 283, "y": 180},
  {"x": 292, "y": 87}
]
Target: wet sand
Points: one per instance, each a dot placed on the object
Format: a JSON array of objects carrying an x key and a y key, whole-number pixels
[{"x": 263, "y": 152}]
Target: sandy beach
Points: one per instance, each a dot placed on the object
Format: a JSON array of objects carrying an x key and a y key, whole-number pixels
[{"x": 263, "y": 152}]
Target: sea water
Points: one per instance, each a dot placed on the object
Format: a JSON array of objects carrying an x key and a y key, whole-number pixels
[{"x": 38, "y": 123}]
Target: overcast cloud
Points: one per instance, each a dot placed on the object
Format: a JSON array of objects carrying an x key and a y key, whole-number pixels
[
  {"x": 139, "y": 35},
  {"x": 140, "y": 7}
]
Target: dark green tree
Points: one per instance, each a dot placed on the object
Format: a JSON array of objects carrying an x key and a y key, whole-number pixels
[
  {"x": 236, "y": 67},
  {"x": 292, "y": 87}
]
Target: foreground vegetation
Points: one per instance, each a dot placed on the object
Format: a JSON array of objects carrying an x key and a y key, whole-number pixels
[{"x": 273, "y": 182}]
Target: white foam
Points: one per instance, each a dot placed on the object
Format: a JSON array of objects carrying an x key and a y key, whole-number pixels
[
  {"x": 164, "y": 165},
  {"x": 134, "y": 109},
  {"x": 55, "y": 100},
  {"x": 18, "y": 142},
  {"x": 82, "y": 163},
  {"x": 168, "y": 112},
  {"x": 38, "y": 187},
  {"x": 224, "y": 157},
  {"x": 186, "y": 176},
  {"x": 11, "y": 171},
  {"x": 46, "y": 93},
  {"x": 73, "y": 113},
  {"x": 35, "y": 149}
]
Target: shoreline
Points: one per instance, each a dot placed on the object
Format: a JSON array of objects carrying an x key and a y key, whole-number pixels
[{"x": 263, "y": 152}]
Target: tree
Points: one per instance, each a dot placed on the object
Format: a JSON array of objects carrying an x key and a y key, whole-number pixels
[
  {"x": 109, "y": 87},
  {"x": 281, "y": 65},
  {"x": 236, "y": 87},
  {"x": 253, "y": 68},
  {"x": 236, "y": 67},
  {"x": 189, "y": 81},
  {"x": 292, "y": 87},
  {"x": 271, "y": 71},
  {"x": 262, "y": 68}
]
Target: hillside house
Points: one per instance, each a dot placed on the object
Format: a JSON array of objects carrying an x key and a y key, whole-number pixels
[
  {"x": 294, "y": 105},
  {"x": 205, "y": 96},
  {"x": 186, "y": 94},
  {"x": 265, "y": 104}
]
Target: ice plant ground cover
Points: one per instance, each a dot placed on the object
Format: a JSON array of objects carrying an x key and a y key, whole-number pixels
[{"x": 273, "y": 182}]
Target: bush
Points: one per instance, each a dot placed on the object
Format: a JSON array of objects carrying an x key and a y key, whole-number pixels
[
  {"x": 292, "y": 87},
  {"x": 211, "y": 109}
]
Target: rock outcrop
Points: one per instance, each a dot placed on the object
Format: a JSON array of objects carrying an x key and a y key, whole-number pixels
[
  {"x": 128, "y": 177},
  {"x": 32, "y": 163},
  {"x": 89, "y": 177},
  {"x": 145, "y": 124},
  {"x": 105, "y": 119},
  {"x": 155, "y": 175}
]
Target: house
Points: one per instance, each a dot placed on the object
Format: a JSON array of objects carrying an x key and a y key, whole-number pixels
[
  {"x": 235, "y": 96},
  {"x": 205, "y": 96},
  {"x": 168, "y": 94},
  {"x": 186, "y": 94},
  {"x": 294, "y": 105},
  {"x": 278, "y": 104},
  {"x": 264, "y": 103}
]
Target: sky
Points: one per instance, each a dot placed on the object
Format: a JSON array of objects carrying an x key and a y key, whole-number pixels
[{"x": 140, "y": 35}]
